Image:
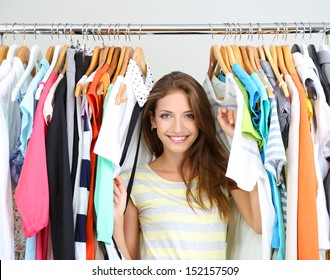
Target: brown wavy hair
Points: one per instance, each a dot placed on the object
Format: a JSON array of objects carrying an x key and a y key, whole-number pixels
[{"x": 206, "y": 158}]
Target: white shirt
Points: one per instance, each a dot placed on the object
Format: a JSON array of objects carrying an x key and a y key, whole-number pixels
[{"x": 292, "y": 172}]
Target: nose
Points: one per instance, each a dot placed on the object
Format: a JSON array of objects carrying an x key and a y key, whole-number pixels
[{"x": 178, "y": 125}]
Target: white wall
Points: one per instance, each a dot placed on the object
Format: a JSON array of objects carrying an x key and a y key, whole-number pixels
[{"x": 189, "y": 53}]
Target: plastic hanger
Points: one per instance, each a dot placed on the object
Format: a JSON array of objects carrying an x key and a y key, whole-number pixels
[
  {"x": 3, "y": 52},
  {"x": 13, "y": 49},
  {"x": 34, "y": 59},
  {"x": 49, "y": 71},
  {"x": 92, "y": 65},
  {"x": 216, "y": 59}
]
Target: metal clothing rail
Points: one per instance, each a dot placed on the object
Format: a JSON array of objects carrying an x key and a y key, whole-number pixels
[{"x": 58, "y": 29}]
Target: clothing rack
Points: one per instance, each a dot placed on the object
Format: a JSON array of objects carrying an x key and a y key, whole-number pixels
[{"x": 114, "y": 29}]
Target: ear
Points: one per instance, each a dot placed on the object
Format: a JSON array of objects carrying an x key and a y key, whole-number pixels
[{"x": 152, "y": 120}]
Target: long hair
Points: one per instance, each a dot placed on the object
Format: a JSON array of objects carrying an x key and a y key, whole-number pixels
[{"x": 206, "y": 157}]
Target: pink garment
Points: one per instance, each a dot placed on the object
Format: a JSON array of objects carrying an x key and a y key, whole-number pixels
[{"x": 32, "y": 192}]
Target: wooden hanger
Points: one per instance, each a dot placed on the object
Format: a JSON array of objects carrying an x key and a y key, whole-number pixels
[
  {"x": 100, "y": 87},
  {"x": 61, "y": 59},
  {"x": 280, "y": 60},
  {"x": 92, "y": 65},
  {"x": 50, "y": 53},
  {"x": 251, "y": 59},
  {"x": 23, "y": 54},
  {"x": 288, "y": 59},
  {"x": 139, "y": 58},
  {"x": 257, "y": 58},
  {"x": 278, "y": 76},
  {"x": 3, "y": 52},
  {"x": 225, "y": 56},
  {"x": 273, "y": 52},
  {"x": 238, "y": 56},
  {"x": 102, "y": 59},
  {"x": 246, "y": 60},
  {"x": 114, "y": 61},
  {"x": 216, "y": 59},
  {"x": 119, "y": 96},
  {"x": 261, "y": 53},
  {"x": 120, "y": 63},
  {"x": 49, "y": 71},
  {"x": 231, "y": 56},
  {"x": 34, "y": 59}
]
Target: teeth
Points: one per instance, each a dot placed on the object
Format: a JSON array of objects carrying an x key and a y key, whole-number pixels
[{"x": 178, "y": 138}]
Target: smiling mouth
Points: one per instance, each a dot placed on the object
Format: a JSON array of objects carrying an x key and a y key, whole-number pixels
[{"x": 178, "y": 139}]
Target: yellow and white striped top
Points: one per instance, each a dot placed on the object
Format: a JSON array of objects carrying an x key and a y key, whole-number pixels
[{"x": 170, "y": 229}]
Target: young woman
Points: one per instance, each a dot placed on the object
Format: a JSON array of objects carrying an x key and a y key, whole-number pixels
[{"x": 179, "y": 205}]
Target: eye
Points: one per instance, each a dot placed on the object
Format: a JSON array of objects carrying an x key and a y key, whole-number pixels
[
  {"x": 189, "y": 116},
  {"x": 165, "y": 116}
]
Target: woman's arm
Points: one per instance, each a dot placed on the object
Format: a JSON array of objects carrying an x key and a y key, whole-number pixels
[
  {"x": 126, "y": 224},
  {"x": 249, "y": 207},
  {"x": 247, "y": 202}
]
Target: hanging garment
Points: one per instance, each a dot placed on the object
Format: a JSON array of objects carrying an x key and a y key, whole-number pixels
[
  {"x": 82, "y": 180},
  {"x": 32, "y": 193},
  {"x": 324, "y": 60},
  {"x": 292, "y": 172},
  {"x": 307, "y": 182},
  {"x": 321, "y": 140}
]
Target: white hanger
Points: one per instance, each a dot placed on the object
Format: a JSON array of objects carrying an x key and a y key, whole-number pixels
[
  {"x": 50, "y": 70},
  {"x": 35, "y": 58},
  {"x": 11, "y": 53}
]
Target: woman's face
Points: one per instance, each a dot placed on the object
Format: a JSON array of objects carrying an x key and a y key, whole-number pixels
[{"x": 175, "y": 122}]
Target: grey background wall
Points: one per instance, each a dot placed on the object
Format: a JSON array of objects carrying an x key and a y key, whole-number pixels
[{"x": 189, "y": 53}]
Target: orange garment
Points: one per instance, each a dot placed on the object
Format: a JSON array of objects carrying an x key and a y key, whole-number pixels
[
  {"x": 95, "y": 101},
  {"x": 308, "y": 244}
]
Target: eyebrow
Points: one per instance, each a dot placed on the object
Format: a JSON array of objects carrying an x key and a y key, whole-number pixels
[{"x": 167, "y": 111}]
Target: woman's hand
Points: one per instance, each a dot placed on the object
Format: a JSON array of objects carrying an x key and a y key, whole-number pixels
[
  {"x": 119, "y": 198},
  {"x": 226, "y": 119}
]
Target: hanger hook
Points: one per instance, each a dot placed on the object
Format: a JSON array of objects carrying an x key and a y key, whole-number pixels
[
  {"x": 260, "y": 32},
  {"x": 310, "y": 31},
  {"x": 235, "y": 31},
  {"x": 211, "y": 31},
  {"x": 23, "y": 33},
  {"x": 71, "y": 40},
  {"x": 295, "y": 36},
  {"x": 304, "y": 30},
  {"x": 231, "y": 28},
  {"x": 127, "y": 33},
  {"x": 6, "y": 32},
  {"x": 277, "y": 31},
  {"x": 14, "y": 32},
  {"x": 224, "y": 37},
  {"x": 93, "y": 28},
  {"x": 109, "y": 29},
  {"x": 251, "y": 30},
  {"x": 100, "y": 34},
  {"x": 58, "y": 33},
  {"x": 64, "y": 31},
  {"x": 140, "y": 33},
  {"x": 35, "y": 33},
  {"x": 118, "y": 32}
]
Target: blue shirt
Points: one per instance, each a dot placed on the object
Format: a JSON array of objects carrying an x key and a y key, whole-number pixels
[{"x": 27, "y": 105}]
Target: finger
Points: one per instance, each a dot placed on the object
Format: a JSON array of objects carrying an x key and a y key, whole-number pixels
[{"x": 231, "y": 116}]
